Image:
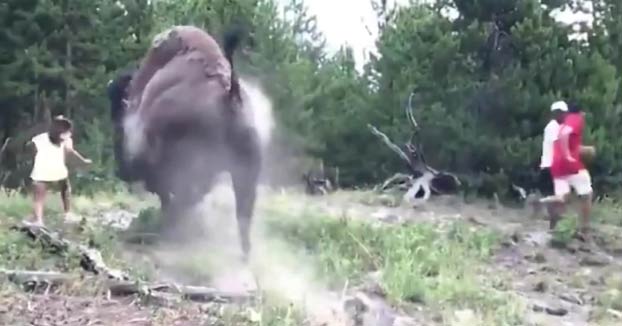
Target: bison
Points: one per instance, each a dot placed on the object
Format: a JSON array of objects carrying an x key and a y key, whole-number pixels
[{"x": 183, "y": 117}]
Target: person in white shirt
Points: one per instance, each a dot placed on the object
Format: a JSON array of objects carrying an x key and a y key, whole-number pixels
[
  {"x": 49, "y": 164},
  {"x": 551, "y": 131}
]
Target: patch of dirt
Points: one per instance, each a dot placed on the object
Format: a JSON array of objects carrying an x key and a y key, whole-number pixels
[{"x": 49, "y": 310}]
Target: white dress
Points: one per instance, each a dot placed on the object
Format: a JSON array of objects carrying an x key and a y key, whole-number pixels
[{"x": 49, "y": 165}]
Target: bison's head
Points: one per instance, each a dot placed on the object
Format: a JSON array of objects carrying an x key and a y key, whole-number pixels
[{"x": 117, "y": 94}]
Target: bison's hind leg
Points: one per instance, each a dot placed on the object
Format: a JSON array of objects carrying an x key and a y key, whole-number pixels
[{"x": 245, "y": 168}]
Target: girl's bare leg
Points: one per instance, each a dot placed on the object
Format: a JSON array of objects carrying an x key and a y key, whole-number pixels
[
  {"x": 39, "y": 201},
  {"x": 65, "y": 194}
]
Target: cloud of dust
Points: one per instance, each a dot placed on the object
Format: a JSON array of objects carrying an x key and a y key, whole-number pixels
[
  {"x": 280, "y": 270},
  {"x": 260, "y": 107},
  {"x": 134, "y": 136}
]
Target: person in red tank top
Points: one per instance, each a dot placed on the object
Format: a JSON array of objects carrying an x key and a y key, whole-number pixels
[
  {"x": 567, "y": 148},
  {"x": 567, "y": 169}
]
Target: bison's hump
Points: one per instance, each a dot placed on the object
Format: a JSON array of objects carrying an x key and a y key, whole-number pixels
[{"x": 183, "y": 40}]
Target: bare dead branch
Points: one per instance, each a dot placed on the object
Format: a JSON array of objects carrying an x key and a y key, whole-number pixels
[
  {"x": 385, "y": 139},
  {"x": 409, "y": 112},
  {"x": 4, "y": 146},
  {"x": 397, "y": 179}
]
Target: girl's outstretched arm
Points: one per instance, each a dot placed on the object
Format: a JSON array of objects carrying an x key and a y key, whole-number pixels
[{"x": 69, "y": 148}]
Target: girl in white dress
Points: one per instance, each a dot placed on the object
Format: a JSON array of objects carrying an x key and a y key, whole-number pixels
[{"x": 49, "y": 164}]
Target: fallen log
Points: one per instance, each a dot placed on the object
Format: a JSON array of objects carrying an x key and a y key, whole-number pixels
[
  {"x": 26, "y": 277},
  {"x": 32, "y": 279},
  {"x": 91, "y": 259},
  {"x": 193, "y": 293},
  {"x": 116, "y": 281}
]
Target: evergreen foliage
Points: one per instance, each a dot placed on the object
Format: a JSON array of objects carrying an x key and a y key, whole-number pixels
[{"x": 483, "y": 80}]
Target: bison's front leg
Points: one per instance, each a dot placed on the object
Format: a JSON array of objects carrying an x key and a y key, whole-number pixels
[{"x": 245, "y": 171}]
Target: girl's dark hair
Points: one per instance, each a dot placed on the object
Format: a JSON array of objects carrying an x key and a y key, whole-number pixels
[{"x": 59, "y": 126}]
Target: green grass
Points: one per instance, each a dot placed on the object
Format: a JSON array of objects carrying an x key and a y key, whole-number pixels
[
  {"x": 18, "y": 252},
  {"x": 419, "y": 263},
  {"x": 421, "y": 266}
]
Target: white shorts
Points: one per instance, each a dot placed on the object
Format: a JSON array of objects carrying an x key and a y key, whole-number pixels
[{"x": 580, "y": 182}]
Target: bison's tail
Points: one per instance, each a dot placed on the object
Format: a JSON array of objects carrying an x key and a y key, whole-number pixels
[{"x": 231, "y": 42}]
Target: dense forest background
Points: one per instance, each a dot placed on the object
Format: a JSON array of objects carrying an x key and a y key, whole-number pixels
[{"x": 483, "y": 81}]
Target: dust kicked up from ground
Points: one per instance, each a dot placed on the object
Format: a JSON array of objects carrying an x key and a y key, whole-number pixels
[
  {"x": 210, "y": 254},
  {"x": 214, "y": 259}
]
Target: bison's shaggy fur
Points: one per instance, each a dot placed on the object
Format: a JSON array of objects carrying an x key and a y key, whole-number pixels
[{"x": 183, "y": 117}]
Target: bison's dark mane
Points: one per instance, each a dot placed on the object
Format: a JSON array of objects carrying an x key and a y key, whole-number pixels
[{"x": 117, "y": 92}]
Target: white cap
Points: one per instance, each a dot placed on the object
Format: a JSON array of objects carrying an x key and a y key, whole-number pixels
[{"x": 559, "y": 105}]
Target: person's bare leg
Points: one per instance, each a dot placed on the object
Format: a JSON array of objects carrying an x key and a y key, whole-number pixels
[
  {"x": 556, "y": 210},
  {"x": 65, "y": 194},
  {"x": 586, "y": 208},
  {"x": 38, "y": 189}
]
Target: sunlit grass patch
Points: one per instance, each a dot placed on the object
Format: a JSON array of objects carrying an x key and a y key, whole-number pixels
[
  {"x": 19, "y": 252},
  {"x": 418, "y": 262}
]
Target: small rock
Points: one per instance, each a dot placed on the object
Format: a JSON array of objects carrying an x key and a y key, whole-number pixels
[
  {"x": 539, "y": 258},
  {"x": 391, "y": 218},
  {"x": 595, "y": 282},
  {"x": 554, "y": 311},
  {"x": 464, "y": 318},
  {"x": 571, "y": 298},
  {"x": 595, "y": 260},
  {"x": 538, "y": 239},
  {"x": 405, "y": 321},
  {"x": 615, "y": 313},
  {"x": 507, "y": 243},
  {"x": 540, "y": 287},
  {"x": 355, "y": 308},
  {"x": 548, "y": 269},
  {"x": 365, "y": 310},
  {"x": 537, "y": 308},
  {"x": 559, "y": 311}
]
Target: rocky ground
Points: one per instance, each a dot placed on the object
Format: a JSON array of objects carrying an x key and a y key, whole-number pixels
[{"x": 568, "y": 284}]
